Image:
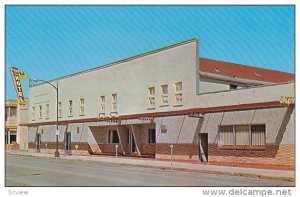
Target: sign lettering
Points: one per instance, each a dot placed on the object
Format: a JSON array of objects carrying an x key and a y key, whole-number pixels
[
  {"x": 287, "y": 100},
  {"x": 16, "y": 75}
]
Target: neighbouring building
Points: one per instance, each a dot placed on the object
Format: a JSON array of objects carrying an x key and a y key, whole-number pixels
[
  {"x": 15, "y": 135},
  {"x": 169, "y": 100}
]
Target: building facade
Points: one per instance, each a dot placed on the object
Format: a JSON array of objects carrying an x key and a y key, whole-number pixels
[
  {"x": 169, "y": 103},
  {"x": 15, "y": 135}
]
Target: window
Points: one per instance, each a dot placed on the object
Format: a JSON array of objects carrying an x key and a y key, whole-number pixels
[
  {"x": 226, "y": 136},
  {"x": 47, "y": 111},
  {"x": 78, "y": 131},
  {"x": 178, "y": 93},
  {"x": 152, "y": 137},
  {"x": 114, "y": 103},
  {"x": 40, "y": 111},
  {"x": 81, "y": 107},
  {"x": 70, "y": 108},
  {"x": 151, "y": 97},
  {"x": 33, "y": 112},
  {"x": 163, "y": 128},
  {"x": 242, "y": 137},
  {"x": 59, "y": 109},
  {"x": 258, "y": 134},
  {"x": 232, "y": 87},
  {"x": 102, "y": 104},
  {"x": 164, "y": 95},
  {"x": 113, "y": 136}
]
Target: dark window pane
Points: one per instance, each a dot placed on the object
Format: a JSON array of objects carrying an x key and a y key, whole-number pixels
[{"x": 115, "y": 137}]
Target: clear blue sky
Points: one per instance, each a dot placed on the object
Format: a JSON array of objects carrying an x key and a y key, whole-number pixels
[{"x": 52, "y": 41}]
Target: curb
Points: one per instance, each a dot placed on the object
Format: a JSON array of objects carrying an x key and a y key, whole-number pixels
[{"x": 251, "y": 175}]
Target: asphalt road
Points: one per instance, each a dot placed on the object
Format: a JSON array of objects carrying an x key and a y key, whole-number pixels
[{"x": 34, "y": 171}]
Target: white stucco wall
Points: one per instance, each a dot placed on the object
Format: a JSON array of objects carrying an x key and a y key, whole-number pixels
[
  {"x": 130, "y": 80},
  {"x": 272, "y": 118},
  {"x": 243, "y": 96}
]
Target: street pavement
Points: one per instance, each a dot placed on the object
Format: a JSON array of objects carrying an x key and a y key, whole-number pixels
[{"x": 42, "y": 171}]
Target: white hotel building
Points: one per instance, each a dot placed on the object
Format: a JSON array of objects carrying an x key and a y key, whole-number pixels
[{"x": 210, "y": 111}]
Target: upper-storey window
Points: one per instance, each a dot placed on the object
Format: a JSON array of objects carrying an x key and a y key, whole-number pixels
[
  {"x": 164, "y": 95},
  {"x": 33, "y": 112},
  {"x": 59, "y": 109},
  {"x": 178, "y": 93},
  {"x": 81, "y": 107},
  {"x": 70, "y": 108},
  {"x": 151, "y": 97},
  {"x": 40, "y": 111},
  {"x": 114, "y": 103},
  {"x": 47, "y": 111},
  {"x": 102, "y": 104}
]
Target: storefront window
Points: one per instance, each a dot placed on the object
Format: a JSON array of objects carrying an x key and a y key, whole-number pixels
[
  {"x": 258, "y": 134},
  {"x": 242, "y": 137},
  {"x": 226, "y": 136}
]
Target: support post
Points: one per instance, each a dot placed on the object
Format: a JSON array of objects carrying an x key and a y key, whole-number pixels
[{"x": 117, "y": 151}]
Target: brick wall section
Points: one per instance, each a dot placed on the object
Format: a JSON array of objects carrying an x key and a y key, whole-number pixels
[
  {"x": 61, "y": 145},
  {"x": 271, "y": 151},
  {"x": 110, "y": 148},
  {"x": 13, "y": 146},
  {"x": 280, "y": 157},
  {"x": 189, "y": 150},
  {"x": 148, "y": 149}
]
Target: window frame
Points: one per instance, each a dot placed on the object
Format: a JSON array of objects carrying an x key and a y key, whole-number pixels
[
  {"x": 176, "y": 92},
  {"x": 70, "y": 108},
  {"x": 151, "y": 97},
  {"x": 164, "y": 95},
  {"x": 81, "y": 107},
  {"x": 102, "y": 104},
  {"x": 47, "y": 108},
  {"x": 248, "y": 147},
  {"x": 40, "y": 111},
  {"x": 114, "y": 102}
]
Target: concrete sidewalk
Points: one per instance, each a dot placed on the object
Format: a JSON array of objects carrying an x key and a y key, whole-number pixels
[{"x": 167, "y": 165}]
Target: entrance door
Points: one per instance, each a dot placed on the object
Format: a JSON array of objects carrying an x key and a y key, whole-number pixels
[
  {"x": 68, "y": 141},
  {"x": 132, "y": 147},
  {"x": 38, "y": 142},
  {"x": 203, "y": 147}
]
